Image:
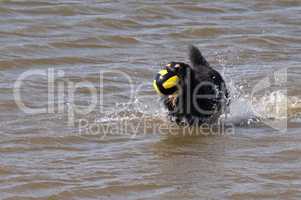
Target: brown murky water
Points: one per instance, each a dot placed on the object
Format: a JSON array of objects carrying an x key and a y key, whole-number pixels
[{"x": 117, "y": 151}]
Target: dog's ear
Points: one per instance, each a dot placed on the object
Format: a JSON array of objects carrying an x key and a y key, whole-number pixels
[{"x": 197, "y": 60}]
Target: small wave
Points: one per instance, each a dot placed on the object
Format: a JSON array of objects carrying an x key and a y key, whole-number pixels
[
  {"x": 26, "y": 63},
  {"x": 81, "y": 43},
  {"x": 200, "y": 32},
  {"x": 269, "y": 40},
  {"x": 110, "y": 23},
  {"x": 199, "y": 9},
  {"x": 269, "y": 108}
]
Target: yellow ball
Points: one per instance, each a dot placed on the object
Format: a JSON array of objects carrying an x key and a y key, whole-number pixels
[{"x": 166, "y": 82}]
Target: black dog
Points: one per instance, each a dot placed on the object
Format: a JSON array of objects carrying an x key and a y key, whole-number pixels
[{"x": 201, "y": 95}]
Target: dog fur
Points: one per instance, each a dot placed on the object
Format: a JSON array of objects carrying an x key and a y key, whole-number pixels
[{"x": 202, "y": 95}]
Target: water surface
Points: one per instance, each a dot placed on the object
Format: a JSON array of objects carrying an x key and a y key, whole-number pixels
[{"x": 46, "y": 156}]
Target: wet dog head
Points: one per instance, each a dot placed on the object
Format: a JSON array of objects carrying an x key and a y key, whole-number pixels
[{"x": 167, "y": 81}]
